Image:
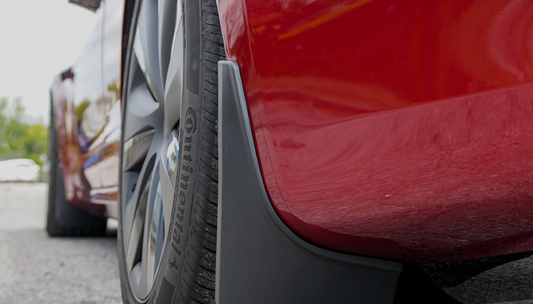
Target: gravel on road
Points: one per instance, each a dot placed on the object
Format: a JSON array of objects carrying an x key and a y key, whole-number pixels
[{"x": 36, "y": 268}]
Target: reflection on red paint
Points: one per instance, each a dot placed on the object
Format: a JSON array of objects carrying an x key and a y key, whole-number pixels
[{"x": 397, "y": 129}]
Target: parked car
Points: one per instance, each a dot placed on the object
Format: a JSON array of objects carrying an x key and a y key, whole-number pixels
[
  {"x": 300, "y": 151},
  {"x": 19, "y": 170}
]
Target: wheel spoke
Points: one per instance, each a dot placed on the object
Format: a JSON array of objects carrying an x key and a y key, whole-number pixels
[
  {"x": 143, "y": 283},
  {"x": 135, "y": 216},
  {"x": 167, "y": 192},
  {"x": 143, "y": 112},
  {"x": 135, "y": 219},
  {"x": 136, "y": 148},
  {"x": 136, "y": 281},
  {"x": 166, "y": 28},
  {"x": 159, "y": 227},
  {"x": 135, "y": 206},
  {"x": 174, "y": 79},
  {"x": 146, "y": 47},
  {"x": 153, "y": 233}
]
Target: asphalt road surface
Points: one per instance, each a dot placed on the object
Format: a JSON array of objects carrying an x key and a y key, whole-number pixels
[
  {"x": 511, "y": 283},
  {"x": 35, "y": 268}
]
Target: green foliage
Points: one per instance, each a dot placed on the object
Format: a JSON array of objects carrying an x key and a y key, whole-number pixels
[{"x": 18, "y": 137}]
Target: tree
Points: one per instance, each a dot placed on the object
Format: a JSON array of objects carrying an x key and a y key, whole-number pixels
[{"x": 20, "y": 138}]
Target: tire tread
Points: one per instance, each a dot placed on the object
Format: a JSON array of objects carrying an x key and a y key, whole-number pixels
[{"x": 198, "y": 286}]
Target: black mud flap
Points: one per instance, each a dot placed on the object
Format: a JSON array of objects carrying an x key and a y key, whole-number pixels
[{"x": 259, "y": 259}]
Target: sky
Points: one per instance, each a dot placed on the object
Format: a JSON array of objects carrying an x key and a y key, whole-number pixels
[{"x": 39, "y": 39}]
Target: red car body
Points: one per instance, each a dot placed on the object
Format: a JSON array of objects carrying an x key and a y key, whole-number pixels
[{"x": 394, "y": 129}]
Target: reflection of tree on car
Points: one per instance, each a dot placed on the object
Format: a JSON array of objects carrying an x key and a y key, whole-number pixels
[{"x": 93, "y": 119}]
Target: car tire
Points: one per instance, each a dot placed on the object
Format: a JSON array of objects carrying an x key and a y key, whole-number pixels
[
  {"x": 170, "y": 259},
  {"x": 62, "y": 219}
]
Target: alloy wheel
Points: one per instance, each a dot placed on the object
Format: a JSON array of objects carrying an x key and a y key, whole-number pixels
[{"x": 151, "y": 139}]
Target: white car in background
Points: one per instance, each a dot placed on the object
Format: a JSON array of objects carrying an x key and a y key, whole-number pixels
[{"x": 20, "y": 169}]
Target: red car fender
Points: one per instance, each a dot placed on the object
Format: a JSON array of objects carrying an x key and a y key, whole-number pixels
[{"x": 396, "y": 129}]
